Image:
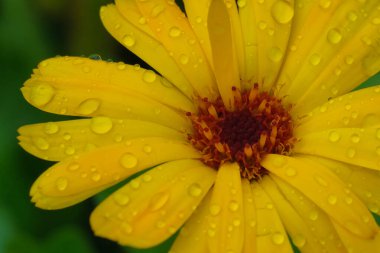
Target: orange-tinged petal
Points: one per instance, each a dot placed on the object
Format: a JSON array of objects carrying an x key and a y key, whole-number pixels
[
  {"x": 316, "y": 219},
  {"x": 193, "y": 236},
  {"x": 332, "y": 56},
  {"x": 357, "y": 146},
  {"x": 96, "y": 170},
  {"x": 55, "y": 141},
  {"x": 153, "y": 206},
  {"x": 223, "y": 53},
  {"x": 266, "y": 28},
  {"x": 145, "y": 45},
  {"x": 225, "y": 223},
  {"x": 355, "y": 109},
  {"x": 324, "y": 188},
  {"x": 250, "y": 219},
  {"x": 270, "y": 232},
  {"x": 174, "y": 32}
]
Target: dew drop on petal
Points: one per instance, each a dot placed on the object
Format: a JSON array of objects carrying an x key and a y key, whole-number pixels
[
  {"x": 101, "y": 125},
  {"x": 73, "y": 166},
  {"x": 275, "y": 54},
  {"x": 194, "y": 190},
  {"x": 351, "y": 152},
  {"x": 241, "y": 3},
  {"x": 147, "y": 178},
  {"x": 315, "y": 59},
  {"x": 282, "y": 12},
  {"x": 149, "y": 76},
  {"x": 313, "y": 215},
  {"x": 325, "y": 4},
  {"x": 233, "y": 206},
  {"x": 96, "y": 176},
  {"x": 299, "y": 240},
  {"x": 355, "y": 138},
  {"x": 121, "y": 199},
  {"x": 158, "y": 201},
  {"x": 127, "y": 228},
  {"x": 290, "y": 172},
  {"x": 128, "y": 161},
  {"x": 278, "y": 238},
  {"x": 332, "y": 199},
  {"x": 334, "y": 36},
  {"x": 184, "y": 59},
  {"x": 61, "y": 184},
  {"x": 51, "y": 128},
  {"x": 41, "y": 143},
  {"x": 88, "y": 106},
  {"x": 214, "y": 209},
  {"x": 147, "y": 149},
  {"x": 334, "y": 136},
  {"x": 174, "y": 32},
  {"x": 70, "y": 150},
  {"x": 128, "y": 40},
  {"x": 41, "y": 95},
  {"x": 135, "y": 184},
  {"x": 320, "y": 180}
]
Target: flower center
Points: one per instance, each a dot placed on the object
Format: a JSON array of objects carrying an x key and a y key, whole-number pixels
[{"x": 258, "y": 125}]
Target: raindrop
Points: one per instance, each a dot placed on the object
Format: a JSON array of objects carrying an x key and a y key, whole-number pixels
[
  {"x": 88, "y": 106},
  {"x": 149, "y": 76},
  {"x": 194, "y": 190},
  {"x": 291, "y": 172},
  {"x": 241, "y": 3},
  {"x": 121, "y": 199},
  {"x": 214, "y": 209},
  {"x": 334, "y": 36},
  {"x": 73, "y": 166},
  {"x": 128, "y": 40},
  {"x": 70, "y": 150},
  {"x": 299, "y": 240},
  {"x": 41, "y": 94},
  {"x": 61, "y": 184},
  {"x": 174, "y": 32},
  {"x": 157, "y": 10},
  {"x": 325, "y": 4},
  {"x": 135, "y": 184},
  {"x": 101, "y": 125},
  {"x": 313, "y": 215},
  {"x": 41, "y": 143},
  {"x": 320, "y": 180},
  {"x": 334, "y": 136},
  {"x": 233, "y": 206},
  {"x": 349, "y": 60},
  {"x": 96, "y": 176},
  {"x": 315, "y": 59},
  {"x": 278, "y": 238},
  {"x": 158, "y": 201},
  {"x": 51, "y": 128},
  {"x": 355, "y": 138},
  {"x": 147, "y": 178},
  {"x": 183, "y": 59},
  {"x": 127, "y": 228},
  {"x": 128, "y": 161},
  {"x": 351, "y": 152},
  {"x": 282, "y": 12},
  {"x": 275, "y": 54},
  {"x": 332, "y": 199},
  {"x": 147, "y": 149}
]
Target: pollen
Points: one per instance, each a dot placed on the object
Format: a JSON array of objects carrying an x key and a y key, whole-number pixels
[{"x": 258, "y": 125}]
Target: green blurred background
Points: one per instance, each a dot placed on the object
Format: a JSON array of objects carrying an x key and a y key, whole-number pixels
[{"x": 30, "y": 31}]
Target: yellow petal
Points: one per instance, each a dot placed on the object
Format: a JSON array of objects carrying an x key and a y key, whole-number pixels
[
  {"x": 332, "y": 56},
  {"x": 364, "y": 183},
  {"x": 226, "y": 229},
  {"x": 55, "y": 141},
  {"x": 93, "y": 171},
  {"x": 152, "y": 207},
  {"x": 355, "y": 109},
  {"x": 358, "y": 146},
  {"x": 266, "y": 28},
  {"x": 324, "y": 188},
  {"x": 297, "y": 228},
  {"x": 193, "y": 236},
  {"x": 147, "y": 47},
  {"x": 250, "y": 219},
  {"x": 223, "y": 53},
  {"x": 61, "y": 87},
  {"x": 174, "y": 32},
  {"x": 356, "y": 244},
  {"x": 316, "y": 219},
  {"x": 270, "y": 232}
]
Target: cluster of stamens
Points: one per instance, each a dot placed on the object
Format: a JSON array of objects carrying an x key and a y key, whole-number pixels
[{"x": 258, "y": 125}]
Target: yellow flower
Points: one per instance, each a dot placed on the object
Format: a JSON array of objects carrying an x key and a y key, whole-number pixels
[{"x": 251, "y": 131}]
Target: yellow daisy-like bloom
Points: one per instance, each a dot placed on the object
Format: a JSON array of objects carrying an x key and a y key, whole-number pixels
[{"x": 251, "y": 132}]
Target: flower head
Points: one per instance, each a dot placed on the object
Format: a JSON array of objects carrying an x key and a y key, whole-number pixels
[{"x": 249, "y": 133}]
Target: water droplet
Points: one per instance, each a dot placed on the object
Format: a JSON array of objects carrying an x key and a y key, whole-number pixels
[
  {"x": 325, "y": 4},
  {"x": 157, "y": 10},
  {"x": 121, "y": 66},
  {"x": 149, "y": 76},
  {"x": 315, "y": 59},
  {"x": 334, "y": 36},
  {"x": 278, "y": 238},
  {"x": 282, "y": 12},
  {"x": 41, "y": 143},
  {"x": 198, "y": 19},
  {"x": 127, "y": 228},
  {"x": 73, "y": 166},
  {"x": 279, "y": 161},
  {"x": 101, "y": 125},
  {"x": 332, "y": 199},
  {"x": 128, "y": 161},
  {"x": 349, "y": 59},
  {"x": 41, "y": 94},
  {"x": 142, "y": 20},
  {"x": 51, "y": 128},
  {"x": 135, "y": 184},
  {"x": 147, "y": 178},
  {"x": 348, "y": 200},
  {"x": 147, "y": 149},
  {"x": 299, "y": 240},
  {"x": 67, "y": 136},
  {"x": 376, "y": 21},
  {"x": 174, "y": 32},
  {"x": 241, "y": 3},
  {"x": 120, "y": 199},
  {"x": 290, "y": 172},
  {"x": 88, "y": 106},
  {"x": 61, "y": 184},
  {"x": 194, "y": 190},
  {"x": 128, "y": 40},
  {"x": 183, "y": 59},
  {"x": 351, "y": 152},
  {"x": 320, "y": 180},
  {"x": 313, "y": 215},
  {"x": 355, "y": 138},
  {"x": 215, "y": 209},
  {"x": 233, "y": 206},
  {"x": 275, "y": 54},
  {"x": 262, "y": 25},
  {"x": 352, "y": 16},
  {"x": 70, "y": 150},
  {"x": 334, "y": 136},
  {"x": 158, "y": 201}
]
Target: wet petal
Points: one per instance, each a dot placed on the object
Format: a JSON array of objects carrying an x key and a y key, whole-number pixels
[
  {"x": 298, "y": 229},
  {"x": 355, "y": 109},
  {"x": 250, "y": 219},
  {"x": 316, "y": 219},
  {"x": 193, "y": 236},
  {"x": 266, "y": 27},
  {"x": 323, "y": 59},
  {"x": 223, "y": 54},
  {"x": 270, "y": 234},
  {"x": 159, "y": 202},
  {"x": 60, "y": 86},
  {"x": 56, "y": 141},
  {"x": 173, "y": 30},
  {"x": 131, "y": 34},
  {"x": 355, "y": 146},
  {"x": 93, "y": 171},
  {"x": 226, "y": 230},
  {"x": 324, "y": 188}
]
